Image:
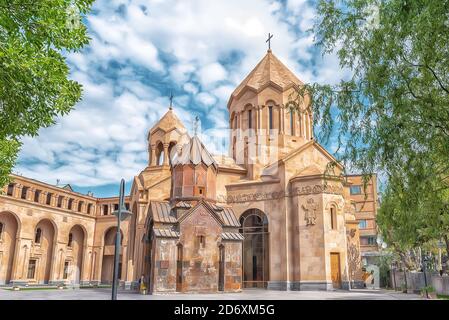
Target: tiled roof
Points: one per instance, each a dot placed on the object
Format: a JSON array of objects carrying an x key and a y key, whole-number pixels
[
  {"x": 183, "y": 204},
  {"x": 162, "y": 212},
  {"x": 232, "y": 236},
  {"x": 269, "y": 69},
  {"x": 165, "y": 233},
  {"x": 228, "y": 218},
  {"x": 194, "y": 152}
]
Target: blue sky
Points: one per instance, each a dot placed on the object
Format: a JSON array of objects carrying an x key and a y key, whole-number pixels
[{"x": 143, "y": 49}]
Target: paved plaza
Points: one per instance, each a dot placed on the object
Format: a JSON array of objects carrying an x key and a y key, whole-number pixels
[{"x": 105, "y": 294}]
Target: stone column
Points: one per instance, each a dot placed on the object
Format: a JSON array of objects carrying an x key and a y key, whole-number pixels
[
  {"x": 310, "y": 126},
  {"x": 64, "y": 202},
  {"x": 43, "y": 197},
  {"x": 166, "y": 155},
  {"x": 75, "y": 205},
  {"x": 17, "y": 191},
  {"x": 30, "y": 194},
  {"x": 151, "y": 155},
  {"x": 281, "y": 120}
]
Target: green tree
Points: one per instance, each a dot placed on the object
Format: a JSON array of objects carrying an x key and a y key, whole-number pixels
[
  {"x": 34, "y": 83},
  {"x": 392, "y": 114}
]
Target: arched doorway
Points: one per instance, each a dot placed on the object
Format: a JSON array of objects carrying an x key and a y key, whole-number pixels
[
  {"x": 254, "y": 227},
  {"x": 76, "y": 245},
  {"x": 107, "y": 268},
  {"x": 44, "y": 238},
  {"x": 9, "y": 227}
]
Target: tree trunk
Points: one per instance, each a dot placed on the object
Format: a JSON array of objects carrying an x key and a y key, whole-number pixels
[{"x": 446, "y": 239}]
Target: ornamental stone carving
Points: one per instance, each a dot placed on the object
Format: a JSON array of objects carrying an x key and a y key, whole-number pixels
[{"x": 310, "y": 212}]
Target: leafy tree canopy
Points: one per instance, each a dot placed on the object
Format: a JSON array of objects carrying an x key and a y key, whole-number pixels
[
  {"x": 34, "y": 83},
  {"x": 392, "y": 114}
]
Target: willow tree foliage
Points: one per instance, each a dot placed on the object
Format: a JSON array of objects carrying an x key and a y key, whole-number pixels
[
  {"x": 34, "y": 77},
  {"x": 392, "y": 113}
]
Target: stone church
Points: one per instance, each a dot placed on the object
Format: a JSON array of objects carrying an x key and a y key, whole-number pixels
[{"x": 268, "y": 215}]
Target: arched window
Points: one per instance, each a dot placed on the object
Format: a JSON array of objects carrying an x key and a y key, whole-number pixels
[
  {"x": 38, "y": 235},
  {"x": 1, "y": 230},
  {"x": 254, "y": 227},
  {"x": 69, "y": 244},
  {"x": 48, "y": 200},
  {"x": 24, "y": 192},
  {"x": 60, "y": 198},
  {"x": 37, "y": 194},
  {"x": 159, "y": 154},
  {"x": 270, "y": 117},
  {"x": 10, "y": 189},
  {"x": 171, "y": 151},
  {"x": 250, "y": 121},
  {"x": 70, "y": 204},
  {"x": 333, "y": 218},
  {"x": 292, "y": 123}
]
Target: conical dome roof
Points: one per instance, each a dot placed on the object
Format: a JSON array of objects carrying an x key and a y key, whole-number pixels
[
  {"x": 269, "y": 70},
  {"x": 194, "y": 152},
  {"x": 168, "y": 122}
]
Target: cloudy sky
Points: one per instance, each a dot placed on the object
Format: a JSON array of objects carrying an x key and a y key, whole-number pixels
[{"x": 143, "y": 49}]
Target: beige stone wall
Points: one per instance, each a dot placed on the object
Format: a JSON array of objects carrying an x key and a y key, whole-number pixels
[
  {"x": 56, "y": 259},
  {"x": 53, "y": 251}
]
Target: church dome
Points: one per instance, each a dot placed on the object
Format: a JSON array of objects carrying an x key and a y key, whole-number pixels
[
  {"x": 269, "y": 70},
  {"x": 194, "y": 152}
]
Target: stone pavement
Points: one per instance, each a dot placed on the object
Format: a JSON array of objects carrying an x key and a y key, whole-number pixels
[{"x": 249, "y": 294}]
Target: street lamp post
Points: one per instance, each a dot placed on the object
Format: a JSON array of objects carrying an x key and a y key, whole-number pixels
[
  {"x": 424, "y": 260},
  {"x": 122, "y": 213}
]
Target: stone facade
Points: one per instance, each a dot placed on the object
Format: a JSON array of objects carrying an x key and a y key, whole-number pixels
[{"x": 273, "y": 214}]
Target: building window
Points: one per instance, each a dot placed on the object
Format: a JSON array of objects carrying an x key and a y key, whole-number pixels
[
  {"x": 37, "y": 194},
  {"x": 70, "y": 204},
  {"x": 250, "y": 121},
  {"x": 80, "y": 206},
  {"x": 356, "y": 189},
  {"x": 105, "y": 209},
  {"x": 270, "y": 117},
  {"x": 69, "y": 244},
  {"x": 60, "y": 198},
  {"x": 89, "y": 208},
  {"x": 48, "y": 201},
  {"x": 31, "y": 268},
  {"x": 370, "y": 241},
  {"x": 1, "y": 230},
  {"x": 10, "y": 189},
  {"x": 201, "y": 242},
  {"x": 66, "y": 269},
  {"x": 333, "y": 218},
  {"x": 362, "y": 224},
  {"x": 292, "y": 123},
  {"x": 127, "y": 206},
  {"x": 38, "y": 235},
  {"x": 24, "y": 192},
  {"x": 116, "y": 207}
]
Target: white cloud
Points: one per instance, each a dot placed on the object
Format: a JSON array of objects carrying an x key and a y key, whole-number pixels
[
  {"x": 211, "y": 73},
  {"x": 206, "y": 99}
]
